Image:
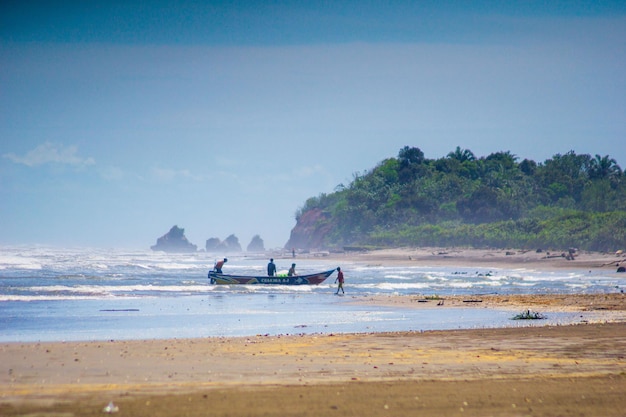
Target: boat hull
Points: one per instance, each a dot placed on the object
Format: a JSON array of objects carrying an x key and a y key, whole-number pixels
[{"x": 310, "y": 279}]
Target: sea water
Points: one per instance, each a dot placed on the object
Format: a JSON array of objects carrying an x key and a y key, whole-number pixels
[{"x": 53, "y": 294}]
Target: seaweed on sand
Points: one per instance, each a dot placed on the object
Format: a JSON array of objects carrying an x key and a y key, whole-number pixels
[{"x": 529, "y": 315}]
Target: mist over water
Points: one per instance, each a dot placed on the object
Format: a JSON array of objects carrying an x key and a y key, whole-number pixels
[{"x": 98, "y": 294}]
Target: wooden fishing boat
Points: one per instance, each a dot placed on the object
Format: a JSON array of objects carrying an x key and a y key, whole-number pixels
[{"x": 310, "y": 279}]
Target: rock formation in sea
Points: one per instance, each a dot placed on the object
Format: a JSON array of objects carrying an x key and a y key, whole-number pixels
[
  {"x": 174, "y": 241},
  {"x": 212, "y": 244},
  {"x": 230, "y": 244},
  {"x": 256, "y": 244},
  {"x": 310, "y": 231}
]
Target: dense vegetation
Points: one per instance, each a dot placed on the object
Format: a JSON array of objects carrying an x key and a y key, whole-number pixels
[{"x": 569, "y": 200}]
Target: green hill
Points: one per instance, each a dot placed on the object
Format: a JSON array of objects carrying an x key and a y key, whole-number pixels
[{"x": 568, "y": 200}]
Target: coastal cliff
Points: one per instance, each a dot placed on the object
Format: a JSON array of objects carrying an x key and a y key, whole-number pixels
[{"x": 311, "y": 231}]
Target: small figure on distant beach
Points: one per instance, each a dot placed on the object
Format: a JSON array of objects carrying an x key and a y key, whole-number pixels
[
  {"x": 292, "y": 271},
  {"x": 293, "y": 252},
  {"x": 111, "y": 408},
  {"x": 271, "y": 268},
  {"x": 340, "y": 280},
  {"x": 218, "y": 265}
]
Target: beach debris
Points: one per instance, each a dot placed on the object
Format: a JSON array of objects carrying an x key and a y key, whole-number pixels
[
  {"x": 571, "y": 254},
  {"x": 529, "y": 315},
  {"x": 111, "y": 408},
  {"x": 432, "y": 297}
]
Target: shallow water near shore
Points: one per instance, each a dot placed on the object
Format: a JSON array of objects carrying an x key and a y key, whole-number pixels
[
  {"x": 235, "y": 315},
  {"x": 49, "y": 294}
]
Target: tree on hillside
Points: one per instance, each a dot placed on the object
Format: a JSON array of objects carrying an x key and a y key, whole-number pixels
[
  {"x": 410, "y": 156},
  {"x": 528, "y": 167},
  {"x": 411, "y": 164},
  {"x": 500, "y": 161},
  {"x": 602, "y": 167},
  {"x": 563, "y": 177},
  {"x": 462, "y": 155}
]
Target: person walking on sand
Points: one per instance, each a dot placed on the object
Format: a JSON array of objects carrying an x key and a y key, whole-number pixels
[
  {"x": 271, "y": 268},
  {"x": 340, "y": 280},
  {"x": 218, "y": 265}
]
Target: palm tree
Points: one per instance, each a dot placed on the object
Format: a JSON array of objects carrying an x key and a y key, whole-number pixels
[
  {"x": 604, "y": 167},
  {"x": 462, "y": 155}
]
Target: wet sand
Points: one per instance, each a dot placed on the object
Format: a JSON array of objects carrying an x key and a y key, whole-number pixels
[
  {"x": 495, "y": 258},
  {"x": 538, "y": 371}
]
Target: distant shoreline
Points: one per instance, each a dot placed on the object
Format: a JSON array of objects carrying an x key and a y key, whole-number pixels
[{"x": 497, "y": 258}]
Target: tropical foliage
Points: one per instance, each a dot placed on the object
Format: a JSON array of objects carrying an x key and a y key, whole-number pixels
[{"x": 493, "y": 201}]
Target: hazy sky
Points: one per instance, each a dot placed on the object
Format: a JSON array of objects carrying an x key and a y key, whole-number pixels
[{"x": 120, "y": 119}]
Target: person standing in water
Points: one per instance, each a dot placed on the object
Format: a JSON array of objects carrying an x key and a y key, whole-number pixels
[
  {"x": 340, "y": 280},
  {"x": 271, "y": 268},
  {"x": 218, "y": 265}
]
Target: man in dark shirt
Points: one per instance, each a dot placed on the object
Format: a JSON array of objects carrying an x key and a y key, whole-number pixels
[
  {"x": 340, "y": 279},
  {"x": 271, "y": 268}
]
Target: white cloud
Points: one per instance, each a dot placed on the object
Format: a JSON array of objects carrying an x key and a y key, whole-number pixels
[
  {"x": 112, "y": 173},
  {"x": 167, "y": 174},
  {"x": 48, "y": 153},
  {"x": 310, "y": 170}
]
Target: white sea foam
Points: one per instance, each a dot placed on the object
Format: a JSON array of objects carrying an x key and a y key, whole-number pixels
[
  {"x": 8, "y": 261},
  {"x": 391, "y": 286},
  {"x": 110, "y": 289}
]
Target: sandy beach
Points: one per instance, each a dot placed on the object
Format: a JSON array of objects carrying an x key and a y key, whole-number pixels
[
  {"x": 503, "y": 258},
  {"x": 538, "y": 371}
]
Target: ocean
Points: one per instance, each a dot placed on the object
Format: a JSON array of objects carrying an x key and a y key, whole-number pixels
[{"x": 60, "y": 294}]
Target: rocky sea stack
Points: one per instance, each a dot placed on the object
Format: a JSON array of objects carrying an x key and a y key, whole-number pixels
[
  {"x": 174, "y": 241},
  {"x": 229, "y": 245},
  {"x": 256, "y": 244}
]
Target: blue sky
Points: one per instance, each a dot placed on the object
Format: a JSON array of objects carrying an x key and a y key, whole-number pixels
[{"x": 119, "y": 120}]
